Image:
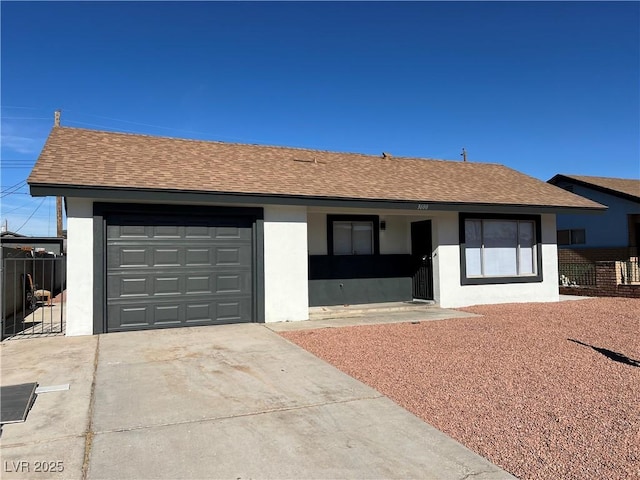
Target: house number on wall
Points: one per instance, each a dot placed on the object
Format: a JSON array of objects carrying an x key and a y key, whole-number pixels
[{"x": 423, "y": 206}]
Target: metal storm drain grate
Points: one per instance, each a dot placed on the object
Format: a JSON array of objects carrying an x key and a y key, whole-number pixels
[{"x": 16, "y": 401}]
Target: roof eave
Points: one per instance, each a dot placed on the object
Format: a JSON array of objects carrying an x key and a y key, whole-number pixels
[
  {"x": 616, "y": 193},
  {"x": 163, "y": 195}
]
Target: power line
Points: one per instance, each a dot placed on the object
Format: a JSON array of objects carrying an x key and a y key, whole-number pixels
[
  {"x": 22, "y": 108},
  {"x": 13, "y": 189},
  {"x": 15, "y": 185},
  {"x": 14, "y": 209},
  {"x": 137, "y": 123},
  {"x": 32, "y": 214},
  {"x": 24, "y": 118}
]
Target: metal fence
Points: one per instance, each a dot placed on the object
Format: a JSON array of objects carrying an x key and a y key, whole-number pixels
[
  {"x": 32, "y": 294},
  {"x": 577, "y": 274},
  {"x": 629, "y": 271}
]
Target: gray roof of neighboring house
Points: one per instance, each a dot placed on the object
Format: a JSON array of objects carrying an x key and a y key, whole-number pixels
[{"x": 628, "y": 188}]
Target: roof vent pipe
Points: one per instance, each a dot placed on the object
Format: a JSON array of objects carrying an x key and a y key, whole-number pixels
[{"x": 56, "y": 118}]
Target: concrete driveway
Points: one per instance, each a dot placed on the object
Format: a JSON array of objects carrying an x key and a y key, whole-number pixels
[{"x": 233, "y": 401}]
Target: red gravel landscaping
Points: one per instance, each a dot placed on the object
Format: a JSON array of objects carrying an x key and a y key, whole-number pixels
[{"x": 545, "y": 391}]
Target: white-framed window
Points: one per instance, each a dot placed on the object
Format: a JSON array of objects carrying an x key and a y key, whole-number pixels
[
  {"x": 352, "y": 238},
  {"x": 499, "y": 248}
]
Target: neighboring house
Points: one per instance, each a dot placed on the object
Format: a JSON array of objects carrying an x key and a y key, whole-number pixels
[
  {"x": 10, "y": 234},
  {"x": 615, "y": 235},
  {"x": 166, "y": 232},
  {"x": 37, "y": 244}
]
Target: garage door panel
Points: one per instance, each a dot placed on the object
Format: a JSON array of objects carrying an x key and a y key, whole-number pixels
[
  {"x": 142, "y": 316},
  {"x": 127, "y": 256},
  {"x": 167, "y": 314},
  {"x": 171, "y": 274},
  {"x": 133, "y": 287},
  {"x": 198, "y": 284},
  {"x": 197, "y": 232},
  {"x": 198, "y": 256},
  {"x": 130, "y": 316},
  {"x": 232, "y": 310},
  {"x": 127, "y": 231},
  {"x": 167, "y": 286},
  {"x": 167, "y": 257},
  {"x": 120, "y": 286},
  {"x": 232, "y": 255},
  {"x": 228, "y": 284},
  {"x": 168, "y": 231},
  {"x": 200, "y": 312},
  {"x": 228, "y": 232},
  {"x": 151, "y": 284}
]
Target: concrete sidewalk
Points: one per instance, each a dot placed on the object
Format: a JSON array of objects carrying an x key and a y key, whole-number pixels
[{"x": 234, "y": 401}]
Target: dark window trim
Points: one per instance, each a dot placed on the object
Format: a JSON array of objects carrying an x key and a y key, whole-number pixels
[
  {"x": 354, "y": 218},
  {"x": 103, "y": 211},
  {"x": 572, "y": 235},
  {"x": 464, "y": 280},
  {"x": 561, "y": 241}
]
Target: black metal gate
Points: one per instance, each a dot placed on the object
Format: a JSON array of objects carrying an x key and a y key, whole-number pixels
[
  {"x": 421, "y": 253},
  {"x": 32, "y": 294}
]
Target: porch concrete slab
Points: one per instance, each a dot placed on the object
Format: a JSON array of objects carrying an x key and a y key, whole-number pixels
[
  {"x": 360, "y": 438},
  {"x": 376, "y": 316},
  {"x": 151, "y": 378},
  {"x": 330, "y": 311},
  {"x": 239, "y": 401}
]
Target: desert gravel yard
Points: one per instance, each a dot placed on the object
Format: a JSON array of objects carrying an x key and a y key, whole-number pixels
[{"x": 545, "y": 391}]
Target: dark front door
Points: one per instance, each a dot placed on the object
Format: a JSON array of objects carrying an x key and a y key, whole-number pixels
[{"x": 421, "y": 252}]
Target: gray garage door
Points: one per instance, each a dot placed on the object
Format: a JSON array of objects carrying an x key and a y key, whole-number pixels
[{"x": 176, "y": 271}]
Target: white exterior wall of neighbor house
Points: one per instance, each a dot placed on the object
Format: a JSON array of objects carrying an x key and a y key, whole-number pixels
[
  {"x": 286, "y": 293},
  {"x": 79, "y": 308},
  {"x": 447, "y": 271}
]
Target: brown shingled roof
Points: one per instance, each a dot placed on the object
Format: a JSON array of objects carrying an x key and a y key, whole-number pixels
[
  {"x": 628, "y": 187},
  {"x": 97, "y": 159}
]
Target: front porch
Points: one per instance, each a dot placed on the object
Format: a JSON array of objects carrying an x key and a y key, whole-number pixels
[{"x": 356, "y": 257}]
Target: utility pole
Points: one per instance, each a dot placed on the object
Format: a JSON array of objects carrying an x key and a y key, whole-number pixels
[
  {"x": 56, "y": 123},
  {"x": 464, "y": 154},
  {"x": 59, "y": 217}
]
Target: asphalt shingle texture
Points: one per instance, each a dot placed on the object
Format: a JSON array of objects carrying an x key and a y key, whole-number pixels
[
  {"x": 91, "y": 158},
  {"x": 628, "y": 186}
]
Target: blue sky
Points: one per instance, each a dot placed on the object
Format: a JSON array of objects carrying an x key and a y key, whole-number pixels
[{"x": 542, "y": 87}]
